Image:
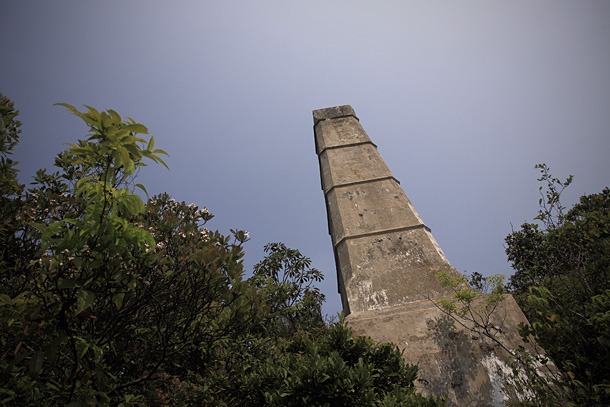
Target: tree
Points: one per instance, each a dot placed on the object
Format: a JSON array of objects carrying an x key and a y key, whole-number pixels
[
  {"x": 286, "y": 282},
  {"x": 9, "y": 185},
  {"x": 9, "y": 138},
  {"x": 101, "y": 293},
  {"x": 562, "y": 283},
  {"x": 336, "y": 369},
  {"x": 293, "y": 359},
  {"x": 107, "y": 300}
]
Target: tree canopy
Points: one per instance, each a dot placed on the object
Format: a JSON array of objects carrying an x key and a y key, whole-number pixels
[
  {"x": 107, "y": 300},
  {"x": 562, "y": 283}
]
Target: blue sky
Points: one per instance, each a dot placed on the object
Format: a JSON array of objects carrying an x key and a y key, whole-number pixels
[{"x": 461, "y": 98}]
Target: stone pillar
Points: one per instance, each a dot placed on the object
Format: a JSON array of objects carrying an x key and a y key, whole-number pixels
[
  {"x": 386, "y": 262},
  {"x": 385, "y": 254}
]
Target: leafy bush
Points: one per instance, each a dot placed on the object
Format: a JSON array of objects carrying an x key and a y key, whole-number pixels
[
  {"x": 336, "y": 369},
  {"x": 562, "y": 283},
  {"x": 107, "y": 300}
]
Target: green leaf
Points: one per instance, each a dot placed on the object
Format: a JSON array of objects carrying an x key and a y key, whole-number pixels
[
  {"x": 36, "y": 362},
  {"x": 159, "y": 151},
  {"x": 106, "y": 120},
  {"x": 81, "y": 347},
  {"x": 85, "y": 299},
  {"x": 143, "y": 189},
  {"x": 115, "y": 116},
  {"x": 80, "y": 182},
  {"x": 52, "y": 348},
  {"x": 161, "y": 161},
  {"x": 66, "y": 283},
  {"x": 150, "y": 240},
  {"x": 93, "y": 112},
  {"x": 137, "y": 204},
  {"x": 67, "y": 106},
  {"x": 127, "y": 163},
  {"x": 136, "y": 128},
  {"x": 118, "y": 300},
  {"x": 88, "y": 119},
  {"x": 151, "y": 143},
  {"x": 135, "y": 152}
]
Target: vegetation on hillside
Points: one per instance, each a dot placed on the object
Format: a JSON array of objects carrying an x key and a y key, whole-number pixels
[
  {"x": 106, "y": 300},
  {"x": 562, "y": 283}
]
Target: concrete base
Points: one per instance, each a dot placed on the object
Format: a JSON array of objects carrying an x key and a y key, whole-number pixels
[{"x": 468, "y": 367}]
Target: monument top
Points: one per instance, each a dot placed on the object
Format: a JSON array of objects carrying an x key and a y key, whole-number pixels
[{"x": 333, "y": 113}]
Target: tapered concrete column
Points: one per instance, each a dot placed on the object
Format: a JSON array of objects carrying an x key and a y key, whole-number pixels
[
  {"x": 386, "y": 262},
  {"x": 384, "y": 252}
]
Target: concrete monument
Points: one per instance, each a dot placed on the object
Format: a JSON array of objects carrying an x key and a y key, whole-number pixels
[{"x": 386, "y": 260}]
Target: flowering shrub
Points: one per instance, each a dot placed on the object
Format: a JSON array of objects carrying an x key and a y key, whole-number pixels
[
  {"x": 108, "y": 300},
  {"x": 101, "y": 292}
]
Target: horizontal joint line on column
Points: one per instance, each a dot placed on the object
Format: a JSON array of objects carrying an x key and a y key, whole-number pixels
[
  {"x": 380, "y": 232},
  {"x": 365, "y": 181},
  {"x": 336, "y": 117},
  {"x": 347, "y": 145}
]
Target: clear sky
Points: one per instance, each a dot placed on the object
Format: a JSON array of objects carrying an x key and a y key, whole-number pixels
[{"x": 461, "y": 98}]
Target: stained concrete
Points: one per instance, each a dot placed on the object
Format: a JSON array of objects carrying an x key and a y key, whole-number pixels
[
  {"x": 385, "y": 254},
  {"x": 386, "y": 260},
  {"x": 467, "y": 367}
]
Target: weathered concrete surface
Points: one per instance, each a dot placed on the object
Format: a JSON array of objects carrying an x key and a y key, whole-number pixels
[
  {"x": 386, "y": 261},
  {"x": 466, "y": 366},
  {"x": 388, "y": 269},
  {"x": 385, "y": 254}
]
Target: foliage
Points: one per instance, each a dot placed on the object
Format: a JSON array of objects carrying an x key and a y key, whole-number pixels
[
  {"x": 293, "y": 359},
  {"x": 562, "y": 282},
  {"x": 107, "y": 300},
  {"x": 10, "y": 188},
  {"x": 286, "y": 282},
  {"x": 526, "y": 249},
  {"x": 473, "y": 303},
  {"x": 337, "y": 369},
  {"x": 100, "y": 292},
  {"x": 9, "y": 138}
]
